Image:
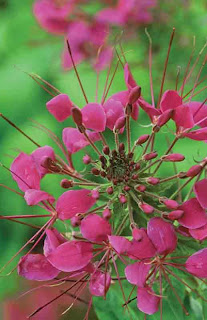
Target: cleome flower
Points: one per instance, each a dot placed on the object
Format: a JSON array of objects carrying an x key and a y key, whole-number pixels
[{"x": 122, "y": 207}]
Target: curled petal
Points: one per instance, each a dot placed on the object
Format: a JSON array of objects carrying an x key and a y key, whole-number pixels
[
  {"x": 95, "y": 228},
  {"x": 198, "y": 135},
  {"x": 147, "y": 301},
  {"x": 52, "y": 241},
  {"x": 170, "y": 100},
  {"x": 114, "y": 110},
  {"x": 72, "y": 202},
  {"x": 143, "y": 248},
  {"x": 200, "y": 233},
  {"x": 99, "y": 283},
  {"x": 36, "y": 267},
  {"x": 149, "y": 109},
  {"x": 25, "y": 173},
  {"x": 194, "y": 215},
  {"x": 33, "y": 197},
  {"x": 74, "y": 140},
  {"x": 162, "y": 235},
  {"x": 137, "y": 273},
  {"x": 129, "y": 80},
  {"x": 38, "y": 156},
  {"x": 60, "y": 107},
  {"x": 71, "y": 256},
  {"x": 120, "y": 244},
  {"x": 200, "y": 189},
  {"x": 197, "y": 264},
  {"x": 94, "y": 117}
]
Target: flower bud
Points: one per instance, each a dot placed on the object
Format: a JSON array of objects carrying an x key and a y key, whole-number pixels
[
  {"x": 75, "y": 221},
  {"x": 150, "y": 156},
  {"x": 146, "y": 208},
  {"x": 134, "y": 95},
  {"x": 153, "y": 180},
  {"x": 46, "y": 162},
  {"x": 142, "y": 139},
  {"x": 122, "y": 198},
  {"x": 121, "y": 147},
  {"x": 106, "y": 150},
  {"x": 110, "y": 190},
  {"x": 66, "y": 184},
  {"x": 173, "y": 157},
  {"x": 106, "y": 213},
  {"x": 95, "y": 171},
  {"x": 86, "y": 159},
  {"x": 140, "y": 188},
  {"x": 176, "y": 214},
  {"x": 127, "y": 188},
  {"x": 95, "y": 194},
  {"x": 120, "y": 123},
  {"x": 77, "y": 116},
  {"x": 164, "y": 118},
  {"x": 194, "y": 170},
  {"x": 170, "y": 204}
]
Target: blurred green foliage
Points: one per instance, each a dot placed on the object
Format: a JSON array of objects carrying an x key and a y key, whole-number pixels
[{"x": 26, "y": 47}]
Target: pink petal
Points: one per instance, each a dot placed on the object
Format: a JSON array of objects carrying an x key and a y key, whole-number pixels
[
  {"x": 71, "y": 256},
  {"x": 129, "y": 80},
  {"x": 95, "y": 228},
  {"x": 33, "y": 197},
  {"x": 137, "y": 273},
  {"x": 99, "y": 283},
  {"x": 143, "y": 248},
  {"x": 52, "y": 241},
  {"x": 183, "y": 117},
  {"x": 149, "y": 109},
  {"x": 111, "y": 16},
  {"x": 38, "y": 155},
  {"x": 147, "y": 301},
  {"x": 114, "y": 110},
  {"x": 197, "y": 264},
  {"x": 200, "y": 189},
  {"x": 120, "y": 244},
  {"x": 75, "y": 141},
  {"x": 194, "y": 215},
  {"x": 104, "y": 59},
  {"x": 36, "y": 267},
  {"x": 199, "y": 112},
  {"x": 170, "y": 100},
  {"x": 94, "y": 117},
  {"x": 200, "y": 233},
  {"x": 25, "y": 173},
  {"x": 122, "y": 96},
  {"x": 198, "y": 135},
  {"x": 60, "y": 107},
  {"x": 162, "y": 235},
  {"x": 72, "y": 202}
]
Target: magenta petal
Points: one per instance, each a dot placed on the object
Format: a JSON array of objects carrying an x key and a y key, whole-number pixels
[
  {"x": 72, "y": 202},
  {"x": 60, "y": 107},
  {"x": 114, "y": 110},
  {"x": 170, "y": 100},
  {"x": 39, "y": 154},
  {"x": 199, "y": 112},
  {"x": 75, "y": 141},
  {"x": 200, "y": 189},
  {"x": 120, "y": 244},
  {"x": 162, "y": 235},
  {"x": 122, "y": 96},
  {"x": 194, "y": 215},
  {"x": 149, "y": 109},
  {"x": 198, "y": 135},
  {"x": 129, "y": 80},
  {"x": 197, "y": 264},
  {"x": 36, "y": 267},
  {"x": 147, "y": 301},
  {"x": 199, "y": 233},
  {"x": 33, "y": 197},
  {"x": 52, "y": 241},
  {"x": 143, "y": 248},
  {"x": 95, "y": 228},
  {"x": 99, "y": 283},
  {"x": 94, "y": 117},
  {"x": 104, "y": 58},
  {"x": 71, "y": 256},
  {"x": 25, "y": 173},
  {"x": 137, "y": 273},
  {"x": 183, "y": 117}
]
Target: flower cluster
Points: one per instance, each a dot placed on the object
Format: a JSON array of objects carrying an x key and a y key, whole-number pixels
[
  {"x": 88, "y": 33},
  {"x": 120, "y": 208}
]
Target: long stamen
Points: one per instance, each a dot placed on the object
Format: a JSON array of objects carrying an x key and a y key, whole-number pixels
[
  {"x": 150, "y": 66},
  {"x": 76, "y": 71},
  {"x": 165, "y": 68},
  {"x": 198, "y": 76}
]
